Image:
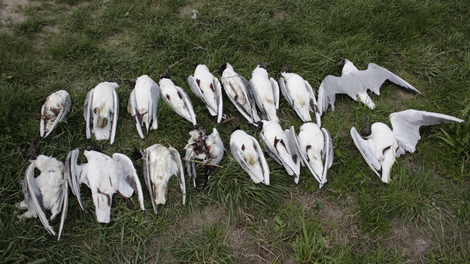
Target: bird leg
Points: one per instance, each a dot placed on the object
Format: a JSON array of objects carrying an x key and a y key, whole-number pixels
[
  {"x": 125, "y": 198},
  {"x": 107, "y": 195}
]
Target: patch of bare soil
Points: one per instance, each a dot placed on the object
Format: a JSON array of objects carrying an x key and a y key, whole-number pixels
[{"x": 11, "y": 11}]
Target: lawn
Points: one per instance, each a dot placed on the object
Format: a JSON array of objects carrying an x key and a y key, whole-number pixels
[{"x": 423, "y": 215}]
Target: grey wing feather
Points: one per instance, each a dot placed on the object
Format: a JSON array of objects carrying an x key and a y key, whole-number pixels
[
  {"x": 42, "y": 123},
  {"x": 180, "y": 172},
  {"x": 375, "y": 76},
  {"x": 155, "y": 96},
  {"x": 248, "y": 91},
  {"x": 187, "y": 104},
  {"x": 87, "y": 112},
  {"x": 36, "y": 198},
  {"x": 406, "y": 126},
  {"x": 133, "y": 111},
  {"x": 275, "y": 87},
  {"x": 218, "y": 99},
  {"x": 257, "y": 99},
  {"x": 291, "y": 137},
  {"x": 65, "y": 204},
  {"x": 147, "y": 177},
  {"x": 190, "y": 165},
  {"x": 366, "y": 153},
  {"x": 328, "y": 154},
  {"x": 313, "y": 103},
  {"x": 282, "y": 85},
  {"x": 270, "y": 149},
  {"x": 303, "y": 156},
  {"x": 130, "y": 176},
  {"x": 115, "y": 116},
  {"x": 74, "y": 179}
]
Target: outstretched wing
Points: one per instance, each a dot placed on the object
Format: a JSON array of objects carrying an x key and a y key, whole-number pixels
[
  {"x": 87, "y": 112},
  {"x": 406, "y": 126},
  {"x": 177, "y": 170},
  {"x": 36, "y": 197},
  {"x": 375, "y": 76},
  {"x": 332, "y": 85},
  {"x": 130, "y": 176},
  {"x": 363, "y": 147}
]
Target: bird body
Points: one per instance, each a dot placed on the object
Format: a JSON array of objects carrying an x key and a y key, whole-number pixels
[
  {"x": 383, "y": 145},
  {"x": 143, "y": 103},
  {"x": 315, "y": 147},
  {"x": 266, "y": 92},
  {"x": 299, "y": 94},
  {"x": 247, "y": 152},
  {"x": 239, "y": 92},
  {"x": 178, "y": 99},
  {"x": 48, "y": 191},
  {"x": 277, "y": 145},
  {"x": 54, "y": 110},
  {"x": 355, "y": 83},
  {"x": 160, "y": 164},
  {"x": 207, "y": 87},
  {"x": 102, "y": 108}
]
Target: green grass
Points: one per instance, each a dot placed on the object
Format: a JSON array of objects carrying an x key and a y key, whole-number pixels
[{"x": 79, "y": 43}]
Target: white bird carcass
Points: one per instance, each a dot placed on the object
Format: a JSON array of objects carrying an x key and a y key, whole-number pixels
[
  {"x": 315, "y": 147},
  {"x": 354, "y": 83},
  {"x": 143, "y": 103},
  {"x": 104, "y": 176},
  {"x": 248, "y": 153},
  {"x": 265, "y": 91},
  {"x": 239, "y": 92},
  {"x": 54, "y": 110},
  {"x": 48, "y": 191},
  {"x": 160, "y": 163},
  {"x": 278, "y": 146},
  {"x": 102, "y": 108},
  {"x": 299, "y": 94},
  {"x": 384, "y": 145},
  {"x": 210, "y": 149},
  {"x": 207, "y": 87},
  {"x": 177, "y": 98}
]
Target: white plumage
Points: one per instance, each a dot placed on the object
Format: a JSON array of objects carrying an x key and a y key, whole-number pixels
[
  {"x": 248, "y": 153},
  {"x": 266, "y": 92},
  {"x": 143, "y": 103},
  {"x": 104, "y": 176},
  {"x": 54, "y": 110},
  {"x": 277, "y": 145},
  {"x": 299, "y": 94},
  {"x": 354, "y": 83},
  {"x": 48, "y": 191},
  {"x": 315, "y": 147},
  {"x": 160, "y": 163},
  {"x": 207, "y": 87},
  {"x": 102, "y": 108},
  {"x": 239, "y": 92},
  {"x": 383, "y": 145},
  {"x": 177, "y": 98}
]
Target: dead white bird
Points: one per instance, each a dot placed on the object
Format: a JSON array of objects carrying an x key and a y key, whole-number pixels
[
  {"x": 143, "y": 103},
  {"x": 102, "y": 108},
  {"x": 177, "y": 98},
  {"x": 265, "y": 91},
  {"x": 54, "y": 110},
  {"x": 207, "y": 87},
  {"x": 277, "y": 145},
  {"x": 160, "y": 163},
  {"x": 48, "y": 191},
  {"x": 248, "y": 153},
  {"x": 299, "y": 94},
  {"x": 383, "y": 145},
  {"x": 210, "y": 149},
  {"x": 239, "y": 91},
  {"x": 104, "y": 176},
  {"x": 315, "y": 147},
  {"x": 354, "y": 83}
]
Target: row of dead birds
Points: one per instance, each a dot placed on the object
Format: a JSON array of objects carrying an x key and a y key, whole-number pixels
[{"x": 312, "y": 147}]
